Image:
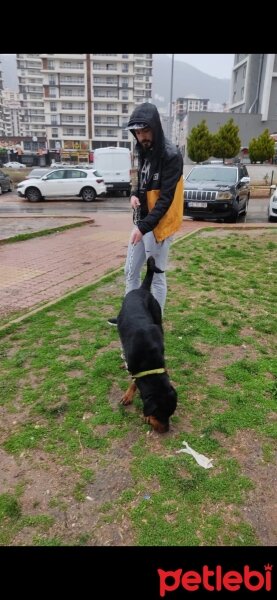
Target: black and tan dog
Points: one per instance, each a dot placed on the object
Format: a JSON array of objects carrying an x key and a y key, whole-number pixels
[{"x": 140, "y": 328}]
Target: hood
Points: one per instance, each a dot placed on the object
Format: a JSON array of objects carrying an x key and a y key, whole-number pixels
[
  {"x": 208, "y": 185},
  {"x": 148, "y": 113}
]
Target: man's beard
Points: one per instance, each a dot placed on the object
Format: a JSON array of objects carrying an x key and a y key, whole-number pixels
[{"x": 146, "y": 144}]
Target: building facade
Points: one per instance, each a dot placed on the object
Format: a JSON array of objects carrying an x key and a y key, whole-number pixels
[
  {"x": 2, "y": 131},
  {"x": 180, "y": 111},
  {"x": 86, "y": 99},
  {"x": 11, "y": 112},
  {"x": 254, "y": 85},
  {"x": 30, "y": 81}
]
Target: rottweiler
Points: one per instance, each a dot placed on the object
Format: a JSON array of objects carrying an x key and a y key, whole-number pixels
[{"x": 141, "y": 333}]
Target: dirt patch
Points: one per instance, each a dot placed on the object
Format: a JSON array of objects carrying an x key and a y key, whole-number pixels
[
  {"x": 261, "y": 501},
  {"x": 49, "y": 489},
  {"x": 220, "y": 358}
]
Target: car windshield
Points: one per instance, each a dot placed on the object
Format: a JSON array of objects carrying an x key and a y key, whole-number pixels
[{"x": 219, "y": 174}]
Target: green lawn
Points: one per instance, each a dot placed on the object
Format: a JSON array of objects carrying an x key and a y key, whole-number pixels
[{"x": 80, "y": 469}]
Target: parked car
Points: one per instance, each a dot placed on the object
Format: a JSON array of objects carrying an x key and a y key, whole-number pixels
[
  {"x": 272, "y": 205},
  {"x": 5, "y": 183},
  {"x": 63, "y": 182},
  {"x": 217, "y": 192},
  {"x": 14, "y": 165}
]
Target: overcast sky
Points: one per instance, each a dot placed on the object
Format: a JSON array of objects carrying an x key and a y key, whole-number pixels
[{"x": 218, "y": 65}]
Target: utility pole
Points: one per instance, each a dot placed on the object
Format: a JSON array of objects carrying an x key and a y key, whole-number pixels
[{"x": 170, "y": 104}]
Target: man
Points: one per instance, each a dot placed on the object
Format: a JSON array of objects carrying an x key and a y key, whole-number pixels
[{"x": 157, "y": 200}]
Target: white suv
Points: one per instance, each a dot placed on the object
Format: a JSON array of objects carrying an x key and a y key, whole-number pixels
[{"x": 67, "y": 181}]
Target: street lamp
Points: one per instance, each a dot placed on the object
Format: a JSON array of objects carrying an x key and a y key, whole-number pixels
[{"x": 171, "y": 93}]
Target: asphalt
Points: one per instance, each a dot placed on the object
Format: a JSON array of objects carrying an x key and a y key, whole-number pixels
[{"x": 39, "y": 271}]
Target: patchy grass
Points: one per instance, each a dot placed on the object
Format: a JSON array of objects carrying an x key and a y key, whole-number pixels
[{"x": 91, "y": 472}]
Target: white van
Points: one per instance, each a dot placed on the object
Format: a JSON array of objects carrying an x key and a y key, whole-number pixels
[{"x": 114, "y": 164}]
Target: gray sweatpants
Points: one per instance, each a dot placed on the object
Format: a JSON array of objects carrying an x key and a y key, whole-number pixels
[{"x": 136, "y": 257}]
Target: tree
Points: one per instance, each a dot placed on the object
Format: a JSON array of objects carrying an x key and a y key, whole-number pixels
[
  {"x": 200, "y": 143},
  {"x": 226, "y": 141},
  {"x": 261, "y": 148}
]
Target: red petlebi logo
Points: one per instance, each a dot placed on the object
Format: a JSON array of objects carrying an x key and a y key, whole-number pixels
[{"x": 215, "y": 580}]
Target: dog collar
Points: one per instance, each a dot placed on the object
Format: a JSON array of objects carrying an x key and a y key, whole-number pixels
[{"x": 151, "y": 372}]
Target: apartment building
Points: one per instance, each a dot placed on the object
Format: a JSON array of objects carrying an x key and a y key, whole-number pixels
[
  {"x": 2, "y": 132},
  {"x": 143, "y": 67},
  {"x": 30, "y": 80},
  {"x": 180, "y": 110},
  {"x": 83, "y": 101},
  {"x": 254, "y": 85},
  {"x": 11, "y": 112}
]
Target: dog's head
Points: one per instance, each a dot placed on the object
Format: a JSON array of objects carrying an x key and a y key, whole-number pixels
[{"x": 159, "y": 406}]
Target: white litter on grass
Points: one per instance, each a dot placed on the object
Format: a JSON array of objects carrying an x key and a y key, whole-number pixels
[{"x": 202, "y": 460}]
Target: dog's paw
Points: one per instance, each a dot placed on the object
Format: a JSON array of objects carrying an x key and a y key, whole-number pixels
[
  {"x": 126, "y": 399},
  {"x": 157, "y": 425}
]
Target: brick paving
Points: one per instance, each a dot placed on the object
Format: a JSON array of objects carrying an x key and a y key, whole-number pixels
[{"x": 44, "y": 269}]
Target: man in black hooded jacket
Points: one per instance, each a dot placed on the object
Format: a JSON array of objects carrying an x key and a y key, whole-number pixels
[{"x": 156, "y": 200}]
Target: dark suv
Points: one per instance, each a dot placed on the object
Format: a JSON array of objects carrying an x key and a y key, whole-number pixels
[{"x": 217, "y": 192}]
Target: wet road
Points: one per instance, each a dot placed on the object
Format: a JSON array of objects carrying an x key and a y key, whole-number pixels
[{"x": 11, "y": 204}]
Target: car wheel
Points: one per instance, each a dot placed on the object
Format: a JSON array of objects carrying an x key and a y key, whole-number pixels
[
  {"x": 10, "y": 187},
  {"x": 33, "y": 194},
  {"x": 88, "y": 194},
  {"x": 245, "y": 210},
  {"x": 0, "y": 190}
]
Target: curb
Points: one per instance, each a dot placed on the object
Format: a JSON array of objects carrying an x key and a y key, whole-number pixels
[{"x": 43, "y": 232}]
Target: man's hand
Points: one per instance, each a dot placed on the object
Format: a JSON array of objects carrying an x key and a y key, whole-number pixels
[
  {"x": 136, "y": 236},
  {"x": 134, "y": 201}
]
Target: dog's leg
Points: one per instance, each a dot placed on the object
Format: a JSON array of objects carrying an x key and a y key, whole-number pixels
[{"x": 127, "y": 398}]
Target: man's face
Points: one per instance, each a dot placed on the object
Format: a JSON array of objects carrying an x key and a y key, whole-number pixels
[{"x": 145, "y": 137}]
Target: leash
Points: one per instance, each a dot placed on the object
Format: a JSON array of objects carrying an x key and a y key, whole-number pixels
[
  {"x": 136, "y": 220},
  {"x": 151, "y": 372}
]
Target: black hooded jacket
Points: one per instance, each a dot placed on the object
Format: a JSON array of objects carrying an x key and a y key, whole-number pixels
[{"x": 164, "y": 186}]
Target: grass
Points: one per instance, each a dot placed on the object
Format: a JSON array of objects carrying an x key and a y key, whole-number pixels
[{"x": 60, "y": 390}]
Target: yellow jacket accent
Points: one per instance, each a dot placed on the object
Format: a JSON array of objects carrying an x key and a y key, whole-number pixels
[{"x": 172, "y": 219}]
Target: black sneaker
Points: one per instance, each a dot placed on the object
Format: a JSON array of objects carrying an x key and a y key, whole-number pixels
[{"x": 113, "y": 321}]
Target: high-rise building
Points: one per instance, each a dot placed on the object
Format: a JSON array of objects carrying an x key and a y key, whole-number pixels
[
  {"x": 31, "y": 95},
  {"x": 11, "y": 112},
  {"x": 254, "y": 85},
  {"x": 143, "y": 67},
  {"x": 86, "y": 98},
  {"x": 2, "y": 131}
]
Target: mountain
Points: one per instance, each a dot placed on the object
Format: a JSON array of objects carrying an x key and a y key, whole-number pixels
[
  {"x": 187, "y": 80},
  {"x": 8, "y": 68}
]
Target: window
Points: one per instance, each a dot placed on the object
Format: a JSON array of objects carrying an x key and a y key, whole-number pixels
[
  {"x": 125, "y": 135},
  {"x": 53, "y": 106},
  {"x": 54, "y": 132},
  {"x": 56, "y": 175},
  {"x": 75, "y": 173}
]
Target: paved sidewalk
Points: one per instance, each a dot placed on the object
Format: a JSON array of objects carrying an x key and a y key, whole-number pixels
[{"x": 41, "y": 270}]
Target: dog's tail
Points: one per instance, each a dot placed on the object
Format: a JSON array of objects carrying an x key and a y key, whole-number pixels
[{"x": 151, "y": 269}]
